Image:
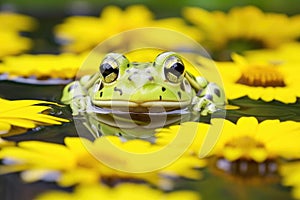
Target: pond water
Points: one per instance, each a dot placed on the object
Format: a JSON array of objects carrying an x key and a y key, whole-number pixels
[{"x": 216, "y": 184}]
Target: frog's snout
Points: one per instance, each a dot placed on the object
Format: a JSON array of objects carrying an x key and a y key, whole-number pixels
[{"x": 141, "y": 79}]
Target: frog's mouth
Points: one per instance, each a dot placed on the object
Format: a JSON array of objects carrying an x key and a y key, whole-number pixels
[{"x": 141, "y": 107}]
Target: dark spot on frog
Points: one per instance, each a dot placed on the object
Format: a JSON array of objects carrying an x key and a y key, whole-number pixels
[
  {"x": 217, "y": 92},
  {"x": 101, "y": 93},
  {"x": 151, "y": 78},
  {"x": 154, "y": 64},
  {"x": 101, "y": 86},
  {"x": 118, "y": 90},
  {"x": 163, "y": 89},
  {"x": 182, "y": 86},
  {"x": 160, "y": 97},
  {"x": 199, "y": 92},
  {"x": 179, "y": 94},
  {"x": 128, "y": 65},
  {"x": 209, "y": 97}
]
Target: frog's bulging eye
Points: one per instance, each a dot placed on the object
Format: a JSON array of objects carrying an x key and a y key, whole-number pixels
[
  {"x": 109, "y": 72},
  {"x": 174, "y": 69},
  {"x": 110, "y": 66},
  {"x": 109, "y": 69}
]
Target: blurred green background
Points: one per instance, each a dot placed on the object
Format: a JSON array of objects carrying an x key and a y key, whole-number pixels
[{"x": 163, "y": 8}]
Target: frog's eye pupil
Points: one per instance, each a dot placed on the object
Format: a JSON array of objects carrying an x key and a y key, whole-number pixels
[
  {"x": 108, "y": 72},
  {"x": 177, "y": 69},
  {"x": 174, "y": 72}
]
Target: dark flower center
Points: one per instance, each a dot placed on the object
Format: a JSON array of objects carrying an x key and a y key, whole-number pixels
[{"x": 262, "y": 76}]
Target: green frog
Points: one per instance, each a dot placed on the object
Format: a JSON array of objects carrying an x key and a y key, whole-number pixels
[{"x": 137, "y": 92}]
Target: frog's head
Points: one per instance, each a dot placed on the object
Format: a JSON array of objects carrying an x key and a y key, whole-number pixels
[{"x": 142, "y": 86}]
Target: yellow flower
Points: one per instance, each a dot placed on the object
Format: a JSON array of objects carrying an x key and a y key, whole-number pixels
[
  {"x": 19, "y": 115},
  {"x": 247, "y": 139},
  {"x": 42, "y": 67},
  {"x": 260, "y": 80},
  {"x": 79, "y": 33},
  {"x": 11, "y": 24},
  {"x": 248, "y": 151},
  {"x": 76, "y": 162},
  {"x": 250, "y": 140},
  {"x": 285, "y": 53},
  {"x": 243, "y": 24},
  {"x": 122, "y": 191},
  {"x": 12, "y": 43},
  {"x": 290, "y": 177},
  {"x": 16, "y": 22}
]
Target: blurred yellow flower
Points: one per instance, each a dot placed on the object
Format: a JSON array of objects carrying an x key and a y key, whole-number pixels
[
  {"x": 12, "y": 43},
  {"x": 42, "y": 67},
  {"x": 247, "y": 26},
  {"x": 260, "y": 79},
  {"x": 20, "y": 115},
  {"x": 75, "y": 163},
  {"x": 291, "y": 177},
  {"x": 121, "y": 192},
  {"x": 16, "y": 22},
  {"x": 11, "y": 24},
  {"x": 80, "y": 33},
  {"x": 165, "y": 135},
  {"x": 247, "y": 139},
  {"x": 285, "y": 53}
]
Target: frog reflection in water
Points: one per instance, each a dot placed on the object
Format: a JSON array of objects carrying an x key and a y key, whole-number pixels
[{"x": 138, "y": 97}]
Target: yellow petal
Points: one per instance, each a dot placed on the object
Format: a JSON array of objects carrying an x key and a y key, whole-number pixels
[
  {"x": 55, "y": 195},
  {"x": 232, "y": 154},
  {"x": 4, "y": 127},
  {"x": 79, "y": 175},
  {"x": 49, "y": 149},
  {"x": 259, "y": 155},
  {"x": 18, "y": 122}
]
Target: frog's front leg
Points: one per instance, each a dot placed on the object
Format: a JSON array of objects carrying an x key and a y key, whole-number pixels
[
  {"x": 75, "y": 96},
  {"x": 209, "y": 99}
]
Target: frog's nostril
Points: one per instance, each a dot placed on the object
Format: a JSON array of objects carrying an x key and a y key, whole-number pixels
[{"x": 151, "y": 78}]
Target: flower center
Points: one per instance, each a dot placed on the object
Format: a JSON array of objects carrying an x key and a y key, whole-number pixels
[
  {"x": 262, "y": 76},
  {"x": 247, "y": 166},
  {"x": 115, "y": 180},
  {"x": 248, "y": 170}
]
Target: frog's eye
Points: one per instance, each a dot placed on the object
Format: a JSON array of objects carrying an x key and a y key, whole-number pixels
[
  {"x": 173, "y": 69},
  {"x": 110, "y": 66}
]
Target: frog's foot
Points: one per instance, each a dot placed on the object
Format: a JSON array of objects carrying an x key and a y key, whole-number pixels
[
  {"x": 80, "y": 105},
  {"x": 204, "y": 106}
]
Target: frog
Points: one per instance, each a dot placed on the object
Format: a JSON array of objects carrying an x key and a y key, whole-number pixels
[{"x": 139, "y": 88}]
